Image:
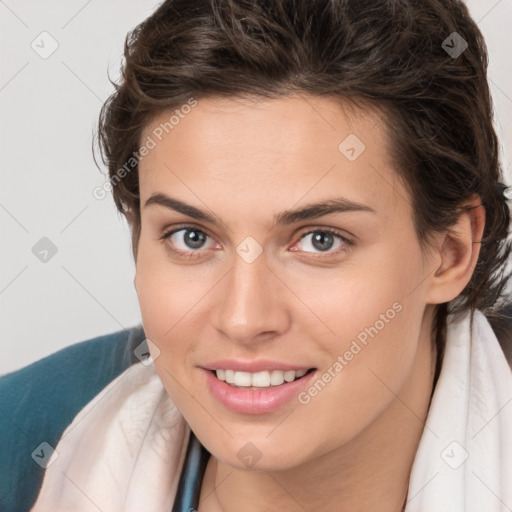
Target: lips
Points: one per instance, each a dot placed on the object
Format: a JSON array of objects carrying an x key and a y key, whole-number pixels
[{"x": 254, "y": 400}]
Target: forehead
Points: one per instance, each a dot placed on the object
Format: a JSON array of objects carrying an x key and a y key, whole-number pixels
[
  {"x": 244, "y": 151},
  {"x": 277, "y": 126}
]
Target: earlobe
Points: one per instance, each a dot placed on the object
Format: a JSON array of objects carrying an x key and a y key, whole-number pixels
[{"x": 458, "y": 254}]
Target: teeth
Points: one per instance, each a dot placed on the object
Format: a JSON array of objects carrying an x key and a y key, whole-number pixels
[
  {"x": 276, "y": 378},
  {"x": 263, "y": 379},
  {"x": 242, "y": 379},
  {"x": 289, "y": 376},
  {"x": 260, "y": 379}
]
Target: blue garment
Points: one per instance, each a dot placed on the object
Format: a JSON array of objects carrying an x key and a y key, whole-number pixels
[
  {"x": 39, "y": 401},
  {"x": 191, "y": 478}
]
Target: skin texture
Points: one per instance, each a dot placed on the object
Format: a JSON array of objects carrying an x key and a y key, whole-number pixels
[{"x": 352, "y": 446}]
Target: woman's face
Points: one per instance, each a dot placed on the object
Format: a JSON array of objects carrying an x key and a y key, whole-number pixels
[{"x": 252, "y": 285}]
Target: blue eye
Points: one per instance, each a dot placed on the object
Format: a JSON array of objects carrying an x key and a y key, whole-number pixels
[
  {"x": 323, "y": 240},
  {"x": 189, "y": 242},
  {"x": 191, "y": 238}
]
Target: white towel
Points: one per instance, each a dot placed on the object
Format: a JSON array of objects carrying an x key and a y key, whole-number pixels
[
  {"x": 125, "y": 450},
  {"x": 464, "y": 459}
]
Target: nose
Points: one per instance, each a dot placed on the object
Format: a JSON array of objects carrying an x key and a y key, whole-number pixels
[{"x": 252, "y": 303}]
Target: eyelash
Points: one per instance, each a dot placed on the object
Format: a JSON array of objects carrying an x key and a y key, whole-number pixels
[{"x": 198, "y": 253}]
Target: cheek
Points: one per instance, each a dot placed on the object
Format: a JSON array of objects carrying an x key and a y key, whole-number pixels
[
  {"x": 170, "y": 299},
  {"x": 165, "y": 300},
  {"x": 373, "y": 311},
  {"x": 364, "y": 293},
  {"x": 162, "y": 293},
  {"x": 371, "y": 357},
  {"x": 162, "y": 288}
]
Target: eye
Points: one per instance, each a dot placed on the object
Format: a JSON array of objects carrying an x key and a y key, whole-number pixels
[
  {"x": 323, "y": 240},
  {"x": 189, "y": 241},
  {"x": 186, "y": 241}
]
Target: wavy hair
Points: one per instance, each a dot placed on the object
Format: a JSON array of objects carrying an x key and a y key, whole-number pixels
[{"x": 393, "y": 55}]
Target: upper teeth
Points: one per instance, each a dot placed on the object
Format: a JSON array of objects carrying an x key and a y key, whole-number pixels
[{"x": 260, "y": 379}]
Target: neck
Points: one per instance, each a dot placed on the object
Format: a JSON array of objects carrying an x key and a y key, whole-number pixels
[{"x": 371, "y": 472}]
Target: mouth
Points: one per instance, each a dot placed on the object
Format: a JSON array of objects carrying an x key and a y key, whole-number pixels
[
  {"x": 260, "y": 392},
  {"x": 259, "y": 380}
]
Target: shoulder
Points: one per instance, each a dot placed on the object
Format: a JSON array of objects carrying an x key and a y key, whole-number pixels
[{"x": 39, "y": 401}]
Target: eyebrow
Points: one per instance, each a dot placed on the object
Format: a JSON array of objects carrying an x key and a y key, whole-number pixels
[{"x": 309, "y": 212}]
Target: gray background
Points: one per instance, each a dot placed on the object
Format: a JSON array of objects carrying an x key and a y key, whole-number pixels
[{"x": 49, "y": 108}]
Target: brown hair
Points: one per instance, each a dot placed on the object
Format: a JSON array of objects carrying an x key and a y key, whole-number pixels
[{"x": 396, "y": 55}]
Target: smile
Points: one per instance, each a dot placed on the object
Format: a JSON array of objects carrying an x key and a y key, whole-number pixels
[
  {"x": 256, "y": 393},
  {"x": 258, "y": 380}
]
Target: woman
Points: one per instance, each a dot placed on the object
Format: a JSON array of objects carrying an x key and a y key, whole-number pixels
[{"x": 320, "y": 236}]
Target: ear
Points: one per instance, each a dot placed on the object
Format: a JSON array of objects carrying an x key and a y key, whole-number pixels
[{"x": 457, "y": 253}]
